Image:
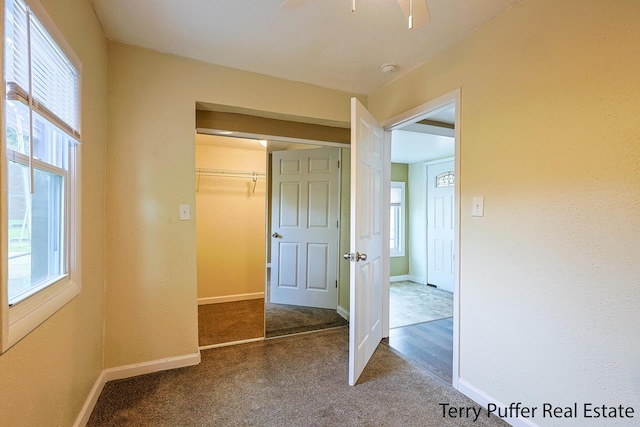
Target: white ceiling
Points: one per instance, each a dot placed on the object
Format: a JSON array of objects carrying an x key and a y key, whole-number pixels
[
  {"x": 411, "y": 147},
  {"x": 319, "y": 42}
]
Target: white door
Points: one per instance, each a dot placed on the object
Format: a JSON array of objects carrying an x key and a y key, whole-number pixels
[
  {"x": 367, "y": 162},
  {"x": 440, "y": 224},
  {"x": 304, "y": 226}
]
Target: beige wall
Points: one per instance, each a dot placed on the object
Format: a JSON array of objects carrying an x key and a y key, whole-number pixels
[
  {"x": 400, "y": 264},
  {"x": 47, "y": 376},
  {"x": 230, "y": 222},
  {"x": 550, "y": 136},
  {"x": 151, "y": 263}
]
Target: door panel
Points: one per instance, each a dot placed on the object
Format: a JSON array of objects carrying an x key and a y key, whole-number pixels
[
  {"x": 440, "y": 225},
  {"x": 367, "y": 165},
  {"x": 289, "y": 204},
  {"x": 288, "y": 265},
  {"x": 319, "y": 205},
  {"x": 305, "y": 213},
  {"x": 317, "y": 265}
]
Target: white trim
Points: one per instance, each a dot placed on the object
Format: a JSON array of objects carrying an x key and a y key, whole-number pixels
[
  {"x": 227, "y": 344},
  {"x": 483, "y": 399},
  {"x": 344, "y": 313},
  {"x": 423, "y": 111},
  {"x": 23, "y": 317},
  {"x": 128, "y": 371},
  {"x": 90, "y": 403},
  {"x": 420, "y": 112},
  {"x": 133, "y": 370},
  {"x": 409, "y": 278},
  {"x": 419, "y": 280},
  {"x": 230, "y": 298},
  {"x": 206, "y": 131},
  {"x": 444, "y": 160}
]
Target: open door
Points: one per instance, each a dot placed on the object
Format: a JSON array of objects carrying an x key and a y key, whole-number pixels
[
  {"x": 366, "y": 299},
  {"x": 304, "y": 225}
]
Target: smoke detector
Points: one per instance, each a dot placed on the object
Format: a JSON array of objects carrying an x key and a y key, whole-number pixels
[{"x": 389, "y": 68}]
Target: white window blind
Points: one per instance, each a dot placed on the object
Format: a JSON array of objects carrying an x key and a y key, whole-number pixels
[{"x": 53, "y": 89}]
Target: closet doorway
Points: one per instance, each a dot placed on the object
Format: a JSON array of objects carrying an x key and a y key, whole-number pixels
[
  {"x": 231, "y": 191},
  {"x": 234, "y": 215}
]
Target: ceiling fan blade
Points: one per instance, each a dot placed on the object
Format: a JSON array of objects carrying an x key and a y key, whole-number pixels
[
  {"x": 292, "y": 4},
  {"x": 420, "y": 11}
]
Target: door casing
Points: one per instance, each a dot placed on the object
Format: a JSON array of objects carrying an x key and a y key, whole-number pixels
[{"x": 408, "y": 117}]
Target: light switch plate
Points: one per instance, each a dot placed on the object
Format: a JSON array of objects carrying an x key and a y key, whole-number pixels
[
  {"x": 185, "y": 213},
  {"x": 478, "y": 206}
]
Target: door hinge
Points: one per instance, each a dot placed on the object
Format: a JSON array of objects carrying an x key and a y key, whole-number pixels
[
  {"x": 338, "y": 164},
  {"x": 336, "y": 283},
  {"x": 338, "y": 224}
]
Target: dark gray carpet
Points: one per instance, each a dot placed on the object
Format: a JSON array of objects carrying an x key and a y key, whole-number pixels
[
  {"x": 283, "y": 319},
  {"x": 292, "y": 381}
]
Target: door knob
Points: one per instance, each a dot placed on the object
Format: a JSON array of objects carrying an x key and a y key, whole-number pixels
[
  {"x": 355, "y": 257},
  {"x": 276, "y": 236}
]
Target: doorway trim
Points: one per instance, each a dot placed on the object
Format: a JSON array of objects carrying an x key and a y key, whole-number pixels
[{"x": 411, "y": 116}]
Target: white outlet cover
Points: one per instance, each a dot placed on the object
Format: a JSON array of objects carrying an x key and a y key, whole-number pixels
[
  {"x": 185, "y": 212},
  {"x": 477, "y": 209}
]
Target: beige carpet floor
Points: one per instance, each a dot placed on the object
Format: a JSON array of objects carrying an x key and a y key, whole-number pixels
[{"x": 292, "y": 381}]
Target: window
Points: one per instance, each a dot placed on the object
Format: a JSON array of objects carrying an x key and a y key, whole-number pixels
[
  {"x": 397, "y": 219},
  {"x": 41, "y": 151}
]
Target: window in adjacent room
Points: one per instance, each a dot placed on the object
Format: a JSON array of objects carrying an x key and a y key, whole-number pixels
[
  {"x": 41, "y": 154},
  {"x": 397, "y": 219}
]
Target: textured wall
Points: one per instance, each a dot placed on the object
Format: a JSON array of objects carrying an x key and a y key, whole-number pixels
[
  {"x": 550, "y": 136},
  {"x": 47, "y": 376},
  {"x": 151, "y": 263},
  {"x": 230, "y": 223}
]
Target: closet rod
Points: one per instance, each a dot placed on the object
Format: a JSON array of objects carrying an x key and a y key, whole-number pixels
[
  {"x": 230, "y": 173},
  {"x": 253, "y": 175}
]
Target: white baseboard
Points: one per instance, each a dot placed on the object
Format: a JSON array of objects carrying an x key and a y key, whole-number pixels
[
  {"x": 136, "y": 369},
  {"x": 90, "y": 403},
  {"x": 416, "y": 279},
  {"x": 128, "y": 371},
  {"x": 408, "y": 277},
  {"x": 230, "y": 298},
  {"x": 483, "y": 399},
  {"x": 344, "y": 313}
]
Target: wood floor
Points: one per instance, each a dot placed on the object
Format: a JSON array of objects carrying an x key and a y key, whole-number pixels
[{"x": 427, "y": 345}]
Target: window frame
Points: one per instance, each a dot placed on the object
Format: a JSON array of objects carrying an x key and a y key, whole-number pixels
[
  {"x": 21, "y": 318},
  {"x": 400, "y": 249}
]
